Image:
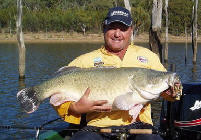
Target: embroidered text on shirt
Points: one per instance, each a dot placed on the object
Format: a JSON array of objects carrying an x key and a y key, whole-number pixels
[{"x": 98, "y": 62}]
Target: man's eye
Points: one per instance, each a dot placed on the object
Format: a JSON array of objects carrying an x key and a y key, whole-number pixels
[
  {"x": 121, "y": 28},
  {"x": 124, "y": 29}
]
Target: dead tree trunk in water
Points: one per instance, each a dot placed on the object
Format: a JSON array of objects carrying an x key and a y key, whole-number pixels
[
  {"x": 127, "y": 5},
  {"x": 155, "y": 29},
  {"x": 20, "y": 39},
  {"x": 186, "y": 44},
  {"x": 166, "y": 33},
  {"x": 194, "y": 30}
]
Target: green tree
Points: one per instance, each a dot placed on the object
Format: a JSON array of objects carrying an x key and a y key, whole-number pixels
[
  {"x": 70, "y": 15},
  {"x": 141, "y": 18},
  {"x": 4, "y": 4},
  {"x": 180, "y": 13}
]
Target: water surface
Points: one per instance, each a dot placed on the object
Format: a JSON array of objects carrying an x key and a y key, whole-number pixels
[{"x": 42, "y": 60}]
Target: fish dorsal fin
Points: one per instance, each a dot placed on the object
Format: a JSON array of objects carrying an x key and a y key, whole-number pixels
[
  {"x": 69, "y": 69},
  {"x": 66, "y": 69}
]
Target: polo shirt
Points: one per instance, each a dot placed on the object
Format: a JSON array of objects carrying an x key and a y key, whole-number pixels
[{"x": 135, "y": 56}]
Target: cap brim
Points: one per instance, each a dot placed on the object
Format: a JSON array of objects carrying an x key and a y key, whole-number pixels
[
  {"x": 118, "y": 19},
  {"x": 112, "y": 21}
]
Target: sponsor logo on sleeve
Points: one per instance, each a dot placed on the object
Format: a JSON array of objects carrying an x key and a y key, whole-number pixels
[{"x": 142, "y": 59}]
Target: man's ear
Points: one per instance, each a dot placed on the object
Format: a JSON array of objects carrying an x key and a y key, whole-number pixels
[{"x": 132, "y": 29}]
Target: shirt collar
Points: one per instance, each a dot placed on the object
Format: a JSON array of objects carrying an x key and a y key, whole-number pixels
[{"x": 104, "y": 51}]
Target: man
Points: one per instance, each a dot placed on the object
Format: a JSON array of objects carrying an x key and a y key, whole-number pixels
[{"x": 116, "y": 52}]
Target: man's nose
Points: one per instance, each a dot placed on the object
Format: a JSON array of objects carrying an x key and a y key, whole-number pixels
[{"x": 117, "y": 33}]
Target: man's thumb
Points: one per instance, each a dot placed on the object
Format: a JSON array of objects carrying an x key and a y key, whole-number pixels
[{"x": 86, "y": 93}]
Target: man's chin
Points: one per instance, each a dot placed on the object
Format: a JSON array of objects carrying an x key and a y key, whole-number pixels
[
  {"x": 117, "y": 46},
  {"x": 117, "y": 49}
]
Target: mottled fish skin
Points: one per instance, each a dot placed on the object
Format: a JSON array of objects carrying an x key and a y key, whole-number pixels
[{"x": 122, "y": 87}]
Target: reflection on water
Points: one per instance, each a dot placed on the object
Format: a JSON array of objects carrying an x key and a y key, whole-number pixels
[
  {"x": 194, "y": 73},
  {"x": 21, "y": 84},
  {"x": 42, "y": 60}
]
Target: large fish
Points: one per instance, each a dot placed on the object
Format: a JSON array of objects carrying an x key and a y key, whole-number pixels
[{"x": 124, "y": 88}]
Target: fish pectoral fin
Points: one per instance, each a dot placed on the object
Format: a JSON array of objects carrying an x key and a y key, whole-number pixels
[
  {"x": 123, "y": 102},
  {"x": 126, "y": 102},
  {"x": 135, "y": 110},
  {"x": 56, "y": 99}
]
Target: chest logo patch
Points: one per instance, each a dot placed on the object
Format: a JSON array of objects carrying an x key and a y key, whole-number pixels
[
  {"x": 142, "y": 59},
  {"x": 98, "y": 62}
]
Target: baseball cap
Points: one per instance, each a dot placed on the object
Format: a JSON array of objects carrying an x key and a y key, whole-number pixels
[{"x": 118, "y": 14}]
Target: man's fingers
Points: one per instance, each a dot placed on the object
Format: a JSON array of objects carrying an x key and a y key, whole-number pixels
[
  {"x": 87, "y": 92},
  {"x": 100, "y": 102},
  {"x": 102, "y": 108}
]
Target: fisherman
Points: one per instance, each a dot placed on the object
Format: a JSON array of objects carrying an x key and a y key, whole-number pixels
[{"x": 117, "y": 51}]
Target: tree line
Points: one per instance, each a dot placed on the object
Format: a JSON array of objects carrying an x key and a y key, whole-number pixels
[{"x": 80, "y": 15}]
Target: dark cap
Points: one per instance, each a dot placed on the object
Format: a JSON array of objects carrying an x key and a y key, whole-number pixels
[{"x": 118, "y": 14}]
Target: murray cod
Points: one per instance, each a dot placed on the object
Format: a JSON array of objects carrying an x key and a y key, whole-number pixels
[{"x": 123, "y": 88}]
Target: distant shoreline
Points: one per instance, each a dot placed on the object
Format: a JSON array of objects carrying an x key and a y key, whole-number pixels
[{"x": 63, "y": 37}]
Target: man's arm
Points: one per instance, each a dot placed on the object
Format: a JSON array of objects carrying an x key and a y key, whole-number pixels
[
  {"x": 84, "y": 105},
  {"x": 63, "y": 112},
  {"x": 71, "y": 111}
]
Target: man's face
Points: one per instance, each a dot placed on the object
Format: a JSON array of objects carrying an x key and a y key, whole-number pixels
[{"x": 117, "y": 36}]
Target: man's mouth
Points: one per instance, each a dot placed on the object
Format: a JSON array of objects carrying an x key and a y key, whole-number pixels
[{"x": 116, "y": 39}]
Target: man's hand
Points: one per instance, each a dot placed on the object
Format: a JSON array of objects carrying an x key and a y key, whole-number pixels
[
  {"x": 171, "y": 94},
  {"x": 84, "y": 105}
]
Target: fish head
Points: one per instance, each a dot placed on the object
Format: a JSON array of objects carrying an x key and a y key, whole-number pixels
[{"x": 152, "y": 84}]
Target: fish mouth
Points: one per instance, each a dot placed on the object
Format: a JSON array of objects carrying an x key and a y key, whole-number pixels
[
  {"x": 177, "y": 87},
  {"x": 177, "y": 90}
]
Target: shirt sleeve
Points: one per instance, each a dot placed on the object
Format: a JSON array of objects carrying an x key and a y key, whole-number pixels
[
  {"x": 156, "y": 64},
  {"x": 145, "y": 114},
  {"x": 62, "y": 111},
  {"x": 76, "y": 63}
]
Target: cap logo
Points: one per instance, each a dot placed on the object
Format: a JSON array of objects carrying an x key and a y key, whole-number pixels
[{"x": 119, "y": 13}]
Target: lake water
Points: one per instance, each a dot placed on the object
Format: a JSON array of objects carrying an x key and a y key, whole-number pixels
[{"x": 44, "y": 59}]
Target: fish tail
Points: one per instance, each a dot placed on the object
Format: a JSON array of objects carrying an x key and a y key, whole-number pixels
[{"x": 28, "y": 100}]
